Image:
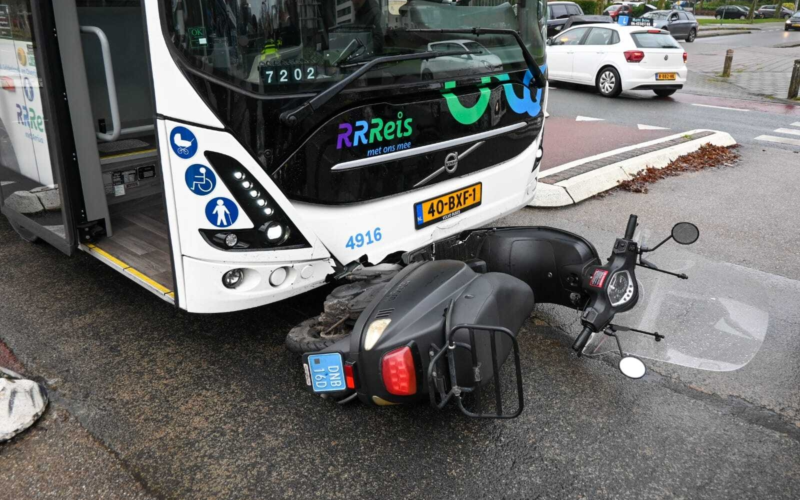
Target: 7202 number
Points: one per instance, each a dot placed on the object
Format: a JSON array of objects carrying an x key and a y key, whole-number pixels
[{"x": 368, "y": 238}]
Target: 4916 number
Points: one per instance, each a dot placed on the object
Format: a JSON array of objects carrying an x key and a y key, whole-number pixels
[{"x": 368, "y": 238}]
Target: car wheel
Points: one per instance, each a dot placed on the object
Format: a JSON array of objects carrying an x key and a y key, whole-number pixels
[
  {"x": 691, "y": 36},
  {"x": 427, "y": 75},
  {"x": 608, "y": 83},
  {"x": 664, "y": 92},
  {"x": 718, "y": 16}
]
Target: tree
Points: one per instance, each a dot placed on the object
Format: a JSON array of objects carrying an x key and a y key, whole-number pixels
[{"x": 752, "y": 10}]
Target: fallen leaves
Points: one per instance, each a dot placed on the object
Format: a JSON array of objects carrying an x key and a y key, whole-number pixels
[{"x": 708, "y": 156}]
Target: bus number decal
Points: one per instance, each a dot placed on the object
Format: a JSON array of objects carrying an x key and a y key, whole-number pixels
[
  {"x": 360, "y": 239},
  {"x": 275, "y": 74}
]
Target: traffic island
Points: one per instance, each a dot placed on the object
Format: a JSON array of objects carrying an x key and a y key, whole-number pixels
[{"x": 579, "y": 180}]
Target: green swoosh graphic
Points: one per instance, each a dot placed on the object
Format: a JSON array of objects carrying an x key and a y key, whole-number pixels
[{"x": 463, "y": 114}]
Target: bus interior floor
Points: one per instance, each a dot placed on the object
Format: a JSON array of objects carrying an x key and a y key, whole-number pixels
[{"x": 141, "y": 238}]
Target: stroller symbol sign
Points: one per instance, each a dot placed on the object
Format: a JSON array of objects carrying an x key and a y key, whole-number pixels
[
  {"x": 200, "y": 179},
  {"x": 183, "y": 142},
  {"x": 222, "y": 212}
]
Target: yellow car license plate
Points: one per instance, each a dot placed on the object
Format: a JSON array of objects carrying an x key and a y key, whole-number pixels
[
  {"x": 448, "y": 205},
  {"x": 666, "y": 76},
  {"x": 796, "y": 25}
]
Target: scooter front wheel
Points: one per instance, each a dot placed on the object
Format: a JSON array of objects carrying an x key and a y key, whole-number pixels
[{"x": 312, "y": 336}]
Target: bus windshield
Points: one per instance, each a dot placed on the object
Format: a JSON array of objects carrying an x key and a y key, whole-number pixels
[{"x": 296, "y": 46}]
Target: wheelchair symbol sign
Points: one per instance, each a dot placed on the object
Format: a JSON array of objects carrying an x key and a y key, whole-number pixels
[
  {"x": 222, "y": 212},
  {"x": 200, "y": 179},
  {"x": 183, "y": 142}
]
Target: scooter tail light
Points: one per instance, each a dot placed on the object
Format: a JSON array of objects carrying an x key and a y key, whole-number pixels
[
  {"x": 399, "y": 373},
  {"x": 634, "y": 56}
]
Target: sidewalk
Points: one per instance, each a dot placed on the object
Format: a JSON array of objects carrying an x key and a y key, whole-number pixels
[{"x": 758, "y": 72}]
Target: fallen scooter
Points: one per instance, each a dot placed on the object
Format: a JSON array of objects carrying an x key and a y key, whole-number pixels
[{"x": 440, "y": 325}]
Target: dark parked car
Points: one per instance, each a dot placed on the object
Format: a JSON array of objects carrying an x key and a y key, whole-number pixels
[
  {"x": 680, "y": 24},
  {"x": 735, "y": 12},
  {"x": 793, "y": 23},
  {"x": 768, "y": 11},
  {"x": 579, "y": 20},
  {"x": 558, "y": 14}
]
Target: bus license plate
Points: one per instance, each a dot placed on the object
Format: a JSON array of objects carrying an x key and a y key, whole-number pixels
[
  {"x": 666, "y": 76},
  {"x": 448, "y": 205},
  {"x": 325, "y": 372}
]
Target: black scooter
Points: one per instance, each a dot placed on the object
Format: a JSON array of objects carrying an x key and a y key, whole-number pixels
[{"x": 440, "y": 326}]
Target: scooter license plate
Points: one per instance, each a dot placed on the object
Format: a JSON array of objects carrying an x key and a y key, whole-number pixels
[
  {"x": 666, "y": 76},
  {"x": 447, "y": 205},
  {"x": 325, "y": 372}
]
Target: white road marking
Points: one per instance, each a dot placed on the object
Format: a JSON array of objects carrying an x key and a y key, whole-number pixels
[
  {"x": 779, "y": 140},
  {"x": 6, "y": 183},
  {"x": 720, "y": 107},
  {"x": 796, "y": 124},
  {"x": 787, "y": 131},
  {"x": 650, "y": 127},
  {"x": 588, "y": 119}
]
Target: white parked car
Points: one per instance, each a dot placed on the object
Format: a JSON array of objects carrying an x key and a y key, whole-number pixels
[
  {"x": 614, "y": 58},
  {"x": 463, "y": 64}
]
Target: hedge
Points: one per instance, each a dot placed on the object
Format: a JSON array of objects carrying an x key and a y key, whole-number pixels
[{"x": 588, "y": 7}]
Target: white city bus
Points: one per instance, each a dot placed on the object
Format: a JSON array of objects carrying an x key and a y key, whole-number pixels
[{"x": 226, "y": 154}]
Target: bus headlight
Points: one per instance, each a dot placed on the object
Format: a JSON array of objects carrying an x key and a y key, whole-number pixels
[{"x": 272, "y": 228}]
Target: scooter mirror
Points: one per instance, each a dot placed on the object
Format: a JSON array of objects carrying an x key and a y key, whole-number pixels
[
  {"x": 685, "y": 233},
  {"x": 632, "y": 367}
]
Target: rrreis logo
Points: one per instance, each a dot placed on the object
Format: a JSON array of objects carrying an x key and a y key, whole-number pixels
[{"x": 375, "y": 131}]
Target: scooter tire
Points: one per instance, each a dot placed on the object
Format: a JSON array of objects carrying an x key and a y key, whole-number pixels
[{"x": 305, "y": 337}]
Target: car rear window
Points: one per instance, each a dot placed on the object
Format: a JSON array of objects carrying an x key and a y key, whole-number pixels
[{"x": 654, "y": 41}]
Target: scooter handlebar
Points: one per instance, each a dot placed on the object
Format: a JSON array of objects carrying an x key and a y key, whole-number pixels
[
  {"x": 631, "y": 229},
  {"x": 582, "y": 340}
]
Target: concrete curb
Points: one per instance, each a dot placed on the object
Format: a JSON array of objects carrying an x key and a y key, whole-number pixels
[
  {"x": 726, "y": 33},
  {"x": 726, "y": 27},
  {"x": 583, "y": 186}
]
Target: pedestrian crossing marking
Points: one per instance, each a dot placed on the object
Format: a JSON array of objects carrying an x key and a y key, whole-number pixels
[
  {"x": 789, "y": 131},
  {"x": 779, "y": 140}
]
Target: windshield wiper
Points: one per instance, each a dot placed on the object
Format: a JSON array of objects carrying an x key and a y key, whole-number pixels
[
  {"x": 538, "y": 76},
  {"x": 349, "y": 52},
  {"x": 292, "y": 117}
]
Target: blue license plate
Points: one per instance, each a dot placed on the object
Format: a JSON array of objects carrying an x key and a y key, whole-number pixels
[{"x": 326, "y": 372}]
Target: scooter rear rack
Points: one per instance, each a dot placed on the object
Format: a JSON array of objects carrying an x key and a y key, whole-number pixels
[{"x": 437, "y": 381}]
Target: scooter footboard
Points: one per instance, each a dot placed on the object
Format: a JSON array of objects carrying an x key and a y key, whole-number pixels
[{"x": 458, "y": 362}]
